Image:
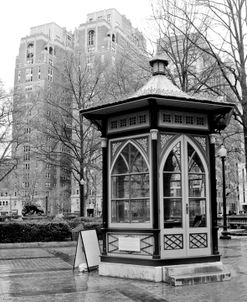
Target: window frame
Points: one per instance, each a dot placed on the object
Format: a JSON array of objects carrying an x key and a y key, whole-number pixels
[
  {"x": 112, "y": 162},
  {"x": 91, "y": 37}
]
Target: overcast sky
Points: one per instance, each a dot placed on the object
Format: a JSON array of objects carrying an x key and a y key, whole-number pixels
[{"x": 17, "y": 16}]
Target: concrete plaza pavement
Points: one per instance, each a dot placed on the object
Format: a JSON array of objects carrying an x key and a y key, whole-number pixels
[{"x": 43, "y": 272}]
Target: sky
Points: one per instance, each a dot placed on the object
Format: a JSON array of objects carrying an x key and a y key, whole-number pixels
[{"x": 18, "y": 16}]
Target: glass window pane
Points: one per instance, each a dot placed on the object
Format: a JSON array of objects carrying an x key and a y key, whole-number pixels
[
  {"x": 120, "y": 211},
  {"x": 194, "y": 161},
  {"x": 130, "y": 181},
  {"x": 172, "y": 212},
  {"x": 120, "y": 186},
  {"x": 197, "y": 212},
  {"x": 139, "y": 186},
  {"x": 140, "y": 211},
  {"x": 121, "y": 166},
  {"x": 197, "y": 186},
  {"x": 173, "y": 162},
  {"x": 172, "y": 185},
  {"x": 125, "y": 152},
  {"x": 138, "y": 164}
]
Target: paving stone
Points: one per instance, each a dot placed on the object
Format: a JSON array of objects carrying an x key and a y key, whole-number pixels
[{"x": 46, "y": 274}]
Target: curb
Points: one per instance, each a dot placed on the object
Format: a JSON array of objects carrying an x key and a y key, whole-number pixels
[{"x": 37, "y": 244}]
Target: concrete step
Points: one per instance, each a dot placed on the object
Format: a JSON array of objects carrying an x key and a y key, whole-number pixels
[{"x": 195, "y": 274}]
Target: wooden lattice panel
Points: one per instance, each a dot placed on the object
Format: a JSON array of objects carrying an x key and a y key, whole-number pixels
[
  {"x": 173, "y": 242},
  {"x": 198, "y": 240}
]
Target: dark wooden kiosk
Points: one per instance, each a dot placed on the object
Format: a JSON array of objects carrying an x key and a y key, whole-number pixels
[{"x": 159, "y": 185}]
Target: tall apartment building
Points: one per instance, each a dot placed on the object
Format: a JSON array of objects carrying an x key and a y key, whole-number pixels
[
  {"x": 37, "y": 179},
  {"x": 105, "y": 37},
  {"x": 105, "y": 33}
]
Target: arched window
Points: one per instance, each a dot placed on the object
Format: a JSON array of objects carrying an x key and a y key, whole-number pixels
[
  {"x": 197, "y": 189},
  {"x": 91, "y": 34},
  {"x": 184, "y": 187},
  {"x": 172, "y": 177},
  {"x": 130, "y": 187},
  {"x": 30, "y": 52}
]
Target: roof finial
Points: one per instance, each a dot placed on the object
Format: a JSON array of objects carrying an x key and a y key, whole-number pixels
[{"x": 158, "y": 64}]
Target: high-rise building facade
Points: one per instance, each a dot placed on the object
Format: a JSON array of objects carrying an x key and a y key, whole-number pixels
[
  {"x": 105, "y": 33},
  {"x": 43, "y": 174},
  {"x": 37, "y": 179},
  {"x": 104, "y": 39}
]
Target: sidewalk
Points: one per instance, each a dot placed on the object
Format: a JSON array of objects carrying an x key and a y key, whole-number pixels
[
  {"x": 43, "y": 272},
  {"x": 37, "y": 244}
]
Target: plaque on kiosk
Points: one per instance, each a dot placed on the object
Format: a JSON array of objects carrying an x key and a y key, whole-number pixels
[{"x": 130, "y": 244}]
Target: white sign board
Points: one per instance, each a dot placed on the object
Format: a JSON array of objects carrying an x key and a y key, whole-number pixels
[
  {"x": 88, "y": 244},
  {"x": 131, "y": 244}
]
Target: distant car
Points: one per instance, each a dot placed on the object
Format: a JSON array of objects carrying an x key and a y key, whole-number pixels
[{"x": 31, "y": 209}]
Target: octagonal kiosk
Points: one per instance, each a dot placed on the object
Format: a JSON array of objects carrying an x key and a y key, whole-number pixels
[{"x": 159, "y": 185}]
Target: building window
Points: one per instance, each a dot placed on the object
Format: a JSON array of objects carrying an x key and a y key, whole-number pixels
[
  {"x": 30, "y": 52},
  {"x": 29, "y": 88},
  {"x": 142, "y": 119},
  {"x": 132, "y": 120},
  {"x": 189, "y": 120},
  {"x": 91, "y": 35},
  {"x": 108, "y": 18},
  {"x": 29, "y": 75},
  {"x": 26, "y": 156},
  {"x": 113, "y": 124},
  {"x": 200, "y": 121},
  {"x": 130, "y": 187},
  {"x": 27, "y": 148},
  {"x": 50, "y": 74},
  {"x": 50, "y": 50},
  {"x": 138, "y": 120},
  {"x": 123, "y": 122},
  {"x": 27, "y": 130},
  {"x": 19, "y": 76},
  {"x": 167, "y": 118},
  {"x": 178, "y": 119}
]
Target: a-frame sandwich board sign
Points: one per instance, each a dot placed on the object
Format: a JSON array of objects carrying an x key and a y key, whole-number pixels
[{"x": 87, "y": 250}]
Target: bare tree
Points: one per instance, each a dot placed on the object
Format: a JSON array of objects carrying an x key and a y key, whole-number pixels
[
  {"x": 220, "y": 27},
  {"x": 73, "y": 142},
  {"x": 129, "y": 73},
  {"x": 8, "y": 141}
]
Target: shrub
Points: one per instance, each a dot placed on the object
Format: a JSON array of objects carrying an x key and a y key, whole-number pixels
[{"x": 34, "y": 231}]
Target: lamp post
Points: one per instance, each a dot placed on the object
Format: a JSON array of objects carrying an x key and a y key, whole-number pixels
[{"x": 222, "y": 154}]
